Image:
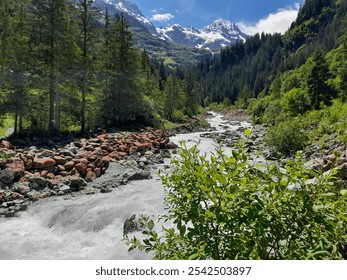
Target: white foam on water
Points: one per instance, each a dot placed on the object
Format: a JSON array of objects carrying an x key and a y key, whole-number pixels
[{"x": 90, "y": 227}]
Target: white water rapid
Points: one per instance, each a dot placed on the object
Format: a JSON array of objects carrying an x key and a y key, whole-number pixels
[{"x": 90, "y": 227}]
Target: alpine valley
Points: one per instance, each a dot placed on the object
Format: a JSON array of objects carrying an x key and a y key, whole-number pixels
[{"x": 121, "y": 140}]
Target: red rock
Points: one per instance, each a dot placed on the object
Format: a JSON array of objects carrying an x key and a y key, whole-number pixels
[
  {"x": 41, "y": 163},
  {"x": 17, "y": 165},
  {"x": 6, "y": 144},
  {"x": 89, "y": 148},
  {"x": 59, "y": 160},
  {"x": 114, "y": 155},
  {"x": 69, "y": 165},
  {"x": 44, "y": 173},
  {"x": 81, "y": 167},
  {"x": 142, "y": 145},
  {"x": 104, "y": 147},
  {"x": 84, "y": 160},
  {"x": 124, "y": 148},
  {"x": 102, "y": 136},
  {"x": 50, "y": 176},
  {"x": 90, "y": 176},
  {"x": 36, "y": 196},
  {"x": 122, "y": 154},
  {"x": 52, "y": 182},
  {"x": 110, "y": 149},
  {"x": 106, "y": 161},
  {"x": 29, "y": 165},
  {"x": 74, "y": 171}
]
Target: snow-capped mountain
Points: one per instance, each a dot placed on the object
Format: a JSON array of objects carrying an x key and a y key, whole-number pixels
[
  {"x": 219, "y": 33},
  {"x": 130, "y": 10}
]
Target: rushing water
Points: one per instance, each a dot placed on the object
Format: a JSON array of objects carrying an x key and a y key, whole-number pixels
[{"x": 90, "y": 227}]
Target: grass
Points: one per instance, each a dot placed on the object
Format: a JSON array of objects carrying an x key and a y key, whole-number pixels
[
  {"x": 5, "y": 124},
  {"x": 167, "y": 125}
]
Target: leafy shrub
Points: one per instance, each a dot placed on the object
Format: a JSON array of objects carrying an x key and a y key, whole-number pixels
[
  {"x": 296, "y": 102},
  {"x": 288, "y": 136},
  {"x": 227, "y": 208}
]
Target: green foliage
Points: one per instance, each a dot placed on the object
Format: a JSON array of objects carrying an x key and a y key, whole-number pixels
[
  {"x": 228, "y": 208},
  {"x": 288, "y": 136},
  {"x": 296, "y": 102},
  {"x": 319, "y": 90}
]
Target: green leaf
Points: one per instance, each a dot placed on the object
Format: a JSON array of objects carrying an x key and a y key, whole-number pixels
[
  {"x": 222, "y": 179},
  {"x": 343, "y": 192},
  {"x": 247, "y": 132},
  {"x": 150, "y": 224}
]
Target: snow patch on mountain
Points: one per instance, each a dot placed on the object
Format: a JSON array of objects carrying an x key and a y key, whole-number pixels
[
  {"x": 125, "y": 6},
  {"x": 219, "y": 33}
]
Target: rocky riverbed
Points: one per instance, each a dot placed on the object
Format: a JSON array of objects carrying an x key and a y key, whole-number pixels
[
  {"x": 324, "y": 156},
  {"x": 30, "y": 174}
]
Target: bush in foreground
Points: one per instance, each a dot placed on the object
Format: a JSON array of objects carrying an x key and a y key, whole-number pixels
[{"x": 226, "y": 207}]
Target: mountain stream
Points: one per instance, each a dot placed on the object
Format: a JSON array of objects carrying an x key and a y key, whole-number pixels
[{"x": 91, "y": 227}]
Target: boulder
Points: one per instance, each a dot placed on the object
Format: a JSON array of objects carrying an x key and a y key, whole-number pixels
[
  {"x": 64, "y": 188},
  {"x": 137, "y": 175},
  {"x": 22, "y": 188},
  {"x": 130, "y": 225},
  {"x": 41, "y": 163},
  {"x": 59, "y": 160},
  {"x": 90, "y": 176},
  {"x": 69, "y": 165},
  {"x": 81, "y": 167},
  {"x": 6, "y": 144},
  {"x": 17, "y": 165},
  {"x": 38, "y": 183},
  {"x": 76, "y": 182},
  {"x": 7, "y": 176}
]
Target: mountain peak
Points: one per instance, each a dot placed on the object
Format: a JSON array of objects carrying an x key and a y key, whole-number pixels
[
  {"x": 219, "y": 33},
  {"x": 223, "y": 25}
]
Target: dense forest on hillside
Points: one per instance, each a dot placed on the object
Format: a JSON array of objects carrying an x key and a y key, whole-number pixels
[
  {"x": 67, "y": 66},
  {"x": 226, "y": 207},
  {"x": 247, "y": 70}
]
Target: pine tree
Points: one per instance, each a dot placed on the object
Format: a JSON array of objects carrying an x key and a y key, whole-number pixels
[
  {"x": 318, "y": 89},
  {"x": 191, "y": 94},
  {"x": 122, "y": 97},
  {"x": 87, "y": 45},
  {"x": 53, "y": 36},
  {"x": 173, "y": 97}
]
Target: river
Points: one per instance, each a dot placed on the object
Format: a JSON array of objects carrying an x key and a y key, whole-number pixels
[{"x": 91, "y": 227}]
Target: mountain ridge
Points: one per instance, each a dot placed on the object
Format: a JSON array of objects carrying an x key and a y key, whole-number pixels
[{"x": 220, "y": 33}]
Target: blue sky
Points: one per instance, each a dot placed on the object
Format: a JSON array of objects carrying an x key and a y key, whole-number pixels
[{"x": 251, "y": 15}]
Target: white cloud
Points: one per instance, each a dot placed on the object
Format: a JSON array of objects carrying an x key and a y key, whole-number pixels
[
  {"x": 274, "y": 22},
  {"x": 162, "y": 17}
]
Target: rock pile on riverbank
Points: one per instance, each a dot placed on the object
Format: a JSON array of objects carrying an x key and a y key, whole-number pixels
[{"x": 28, "y": 175}]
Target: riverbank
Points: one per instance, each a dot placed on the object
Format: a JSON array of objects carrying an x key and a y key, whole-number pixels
[{"x": 30, "y": 174}]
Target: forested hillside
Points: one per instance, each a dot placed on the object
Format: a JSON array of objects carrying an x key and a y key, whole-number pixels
[
  {"x": 246, "y": 70},
  {"x": 67, "y": 66}
]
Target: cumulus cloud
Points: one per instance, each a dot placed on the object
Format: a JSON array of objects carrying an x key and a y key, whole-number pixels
[
  {"x": 274, "y": 22},
  {"x": 162, "y": 17}
]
